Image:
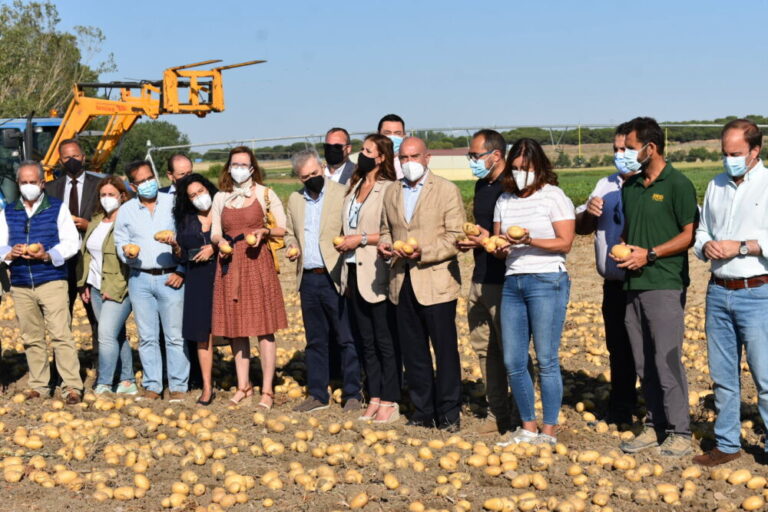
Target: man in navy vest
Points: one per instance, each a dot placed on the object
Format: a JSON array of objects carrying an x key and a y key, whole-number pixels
[{"x": 37, "y": 237}]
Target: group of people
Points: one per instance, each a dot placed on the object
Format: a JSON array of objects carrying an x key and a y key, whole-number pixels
[{"x": 376, "y": 247}]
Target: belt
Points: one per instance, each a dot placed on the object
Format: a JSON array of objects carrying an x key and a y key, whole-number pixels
[
  {"x": 739, "y": 284},
  {"x": 320, "y": 270},
  {"x": 158, "y": 271}
]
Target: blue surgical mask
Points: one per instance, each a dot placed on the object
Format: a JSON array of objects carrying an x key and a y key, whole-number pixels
[
  {"x": 396, "y": 141},
  {"x": 619, "y": 160},
  {"x": 630, "y": 159},
  {"x": 735, "y": 166},
  {"x": 148, "y": 189},
  {"x": 478, "y": 168}
]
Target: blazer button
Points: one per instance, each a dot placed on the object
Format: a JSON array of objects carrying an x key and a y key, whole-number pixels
[{"x": 359, "y": 263}]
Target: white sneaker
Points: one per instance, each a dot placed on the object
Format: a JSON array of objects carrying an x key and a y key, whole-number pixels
[
  {"x": 520, "y": 436},
  {"x": 545, "y": 439}
]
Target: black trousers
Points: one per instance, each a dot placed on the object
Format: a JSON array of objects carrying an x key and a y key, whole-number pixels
[
  {"x": 375, "y": 343},
  {"x": 72, "y": 288},
  {"x": 324, "y": 311},
  {"x": 623, "y": 397},
  {"x": 436, "y": 395}
]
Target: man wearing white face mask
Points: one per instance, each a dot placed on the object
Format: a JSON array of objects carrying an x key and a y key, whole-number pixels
[
  {"x": 733, "y": 236},
  {"x": 155, "y": 281},
  {"x": 424, "y": 283},
  {"x": 37, "y": 236},
  {"x": 603, "y": 215},
  {"x": 661, "y": 216}
]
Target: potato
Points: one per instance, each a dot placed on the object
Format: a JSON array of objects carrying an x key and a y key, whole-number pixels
[
  {"x": 739, "y": 477},
  {"x": 292, "y": 251},
  {"x": 164, "y": 234},
  {"x": 132, "y": 250},
  {"x": 359, "y": 501},
  {"x": 407, "y": 249},
  {"x": 753, "y": 503},
  {"x": 250, "y": 239},
  {"x": 412, "y": 242},
  {"x": 225, "y": 248},
  {"x": 471, "y": 229},
  {"x": 489, "y": 245},
  {"x": 34, "y": 248},
  {"x": 124, "y": 493},
  {"x": 391, "y": 481},
  {"x": 398, "y": 245},
  {"x": 515, "y": 232},
  {"x": 621, "y": 251}
]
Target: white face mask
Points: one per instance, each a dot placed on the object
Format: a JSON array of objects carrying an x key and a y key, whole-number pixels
[
  {"x": 110, "y": 203},
  {"x": 202, "y": 202},
  {"x": 413, "y": 171},
  {"x": 239, "y": 173},
  {"x": 523, "y": 179},
  {"x": 30, "y": 191}
]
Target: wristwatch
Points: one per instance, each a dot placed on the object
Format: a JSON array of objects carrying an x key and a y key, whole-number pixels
[
  {"x": 743, "y": 249},
  {"x": 364, "y": 239},
  {"x": 651, "y": 255}
]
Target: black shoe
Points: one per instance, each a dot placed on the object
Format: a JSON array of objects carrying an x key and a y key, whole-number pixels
[
  {"x": 206, "y": 403},
  {"x": 420, "y": 423},
  {"x": 449, "y": 426}
]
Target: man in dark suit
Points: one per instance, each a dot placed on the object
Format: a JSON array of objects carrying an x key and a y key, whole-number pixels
[
  {"x": 80, "y": 192},
  {"x": 179, "y": 166},
  {"x": 337, "y": 148}
]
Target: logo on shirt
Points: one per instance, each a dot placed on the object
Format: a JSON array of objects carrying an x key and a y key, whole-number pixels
[{"x": 657, "y": 197}]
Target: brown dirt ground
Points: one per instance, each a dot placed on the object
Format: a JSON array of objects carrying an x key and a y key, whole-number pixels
[{"x": 584, "y": 363}]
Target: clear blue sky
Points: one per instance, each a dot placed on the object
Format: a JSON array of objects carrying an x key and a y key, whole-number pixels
[{"x": 444, "y": 63}]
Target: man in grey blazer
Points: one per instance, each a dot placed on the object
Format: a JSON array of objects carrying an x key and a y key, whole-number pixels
[{"x": 336, "y": 149}]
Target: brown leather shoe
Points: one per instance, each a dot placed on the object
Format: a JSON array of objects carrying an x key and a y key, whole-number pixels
[
  {"x": 149, "y": 395},
  {"x": 31, "y": 394},
  {"x": 72, "y": 398},
  {"x": 715, "y": 457}
]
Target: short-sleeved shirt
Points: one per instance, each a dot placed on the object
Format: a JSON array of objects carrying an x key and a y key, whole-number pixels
[
  {"x": 536, "y": 213},
  {"x": 654, "y": 215},
  {"x": 488, "y": 268}
]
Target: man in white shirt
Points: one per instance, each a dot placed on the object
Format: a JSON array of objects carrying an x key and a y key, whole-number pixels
[
  {"x": 603, "y": 215},
  {"x": 336, "y": 149},
  {"x": 37, "y": 237},
  {"x": 733, "y": 235}
]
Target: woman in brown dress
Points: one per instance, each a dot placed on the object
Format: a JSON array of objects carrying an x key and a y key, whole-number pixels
[{"x": 247, "y": 298}]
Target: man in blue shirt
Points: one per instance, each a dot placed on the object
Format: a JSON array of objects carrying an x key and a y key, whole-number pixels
[
  {"x": 155, "y": 282},
  {"x": 314, "y": 219}
]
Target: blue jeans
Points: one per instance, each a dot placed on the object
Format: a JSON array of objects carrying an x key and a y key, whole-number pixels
[
  {"x": 736, "y": 319},
  {"x": 534, "y": 304},
  {"x": 152, "y": 301},
  {"x": 114, "y": 351}
]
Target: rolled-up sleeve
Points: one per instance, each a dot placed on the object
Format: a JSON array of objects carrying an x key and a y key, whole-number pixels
[{"x": 69, "y": 239}]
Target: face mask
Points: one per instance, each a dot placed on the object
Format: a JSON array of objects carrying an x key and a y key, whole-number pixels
[
  {"x": 30, "y": 191},
  {"x": 110, "y": 203},
  {"x": 202, "y": 202},
  {"x": 619, "y": 161},
  {"x": 240, "y": 174},
  {"x": 413, "y": 171},
  {"x": 73, "y": 166},
  {"x": 365, "y": 164},
  {"x": 334, "y": 154},
  {"x": 478, "y": 168},
  {"x": 315, "y": 184},
  {"x": 735, "y": 166},
  {"x": 396, "y": 141},
  {"x": 522, "y": 178},
  {"x": 148, "y": 189},
  {"x": 630, "y": 159}
]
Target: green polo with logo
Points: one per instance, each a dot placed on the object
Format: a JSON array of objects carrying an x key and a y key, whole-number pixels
[{"x": 653, "y": 216}]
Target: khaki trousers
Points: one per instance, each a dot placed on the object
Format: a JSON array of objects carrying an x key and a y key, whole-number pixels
[
  {"x": 483, "y": 316},
  {"x": 40, "y": 308}
]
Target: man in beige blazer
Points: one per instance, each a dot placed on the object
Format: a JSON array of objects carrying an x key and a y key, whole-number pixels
[
  {"x": 313, "y": 220},
  {"x": 424, "y": 284}
]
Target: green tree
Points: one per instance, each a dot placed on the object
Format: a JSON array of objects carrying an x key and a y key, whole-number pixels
[
  {"x": 39, "y": 63},
  {"x": 134, "y": 144},
  {"x": 563, "y": 160}
]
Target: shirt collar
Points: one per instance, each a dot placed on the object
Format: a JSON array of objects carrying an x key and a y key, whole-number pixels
[
  {"x": 310, "y": 198},
  {"x": 759, "y": 168}
]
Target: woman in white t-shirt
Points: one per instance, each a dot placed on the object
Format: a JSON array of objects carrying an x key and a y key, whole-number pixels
[
  {"x": 536, "y": 284},
  {"x": 103, "y": 281}
]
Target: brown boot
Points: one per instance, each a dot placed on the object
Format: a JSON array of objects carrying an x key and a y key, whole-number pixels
[{"x": 715, "y": 457}]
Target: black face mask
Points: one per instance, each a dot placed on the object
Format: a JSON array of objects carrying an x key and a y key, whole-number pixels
[
  {"x": 73, "y": 166},
  {"x": 315, "y": 184},
  {"x": 365, "y": 164},
  {"x": 334, "y": 154}
]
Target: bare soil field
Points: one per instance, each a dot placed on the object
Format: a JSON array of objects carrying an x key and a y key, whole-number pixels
[{"x": 113, "y": 454}]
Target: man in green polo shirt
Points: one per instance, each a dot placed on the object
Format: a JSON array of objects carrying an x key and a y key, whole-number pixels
[{"x": 661, "y": 216}]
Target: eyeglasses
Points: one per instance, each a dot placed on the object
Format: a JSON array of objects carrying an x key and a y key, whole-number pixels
[{"x": 476, "y": 156}]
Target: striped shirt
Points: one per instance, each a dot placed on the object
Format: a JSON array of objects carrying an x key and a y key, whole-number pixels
[{"x": 536, "y": 213}]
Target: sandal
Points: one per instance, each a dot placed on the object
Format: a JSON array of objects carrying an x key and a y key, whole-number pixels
[
  {"x": 265, "y": 405},
  {"x": 206, "y": 403},
  {"x": 366, "y": 417},
  {"x": 394, "y": 415},
  {"x": 247, "y": 393}
]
